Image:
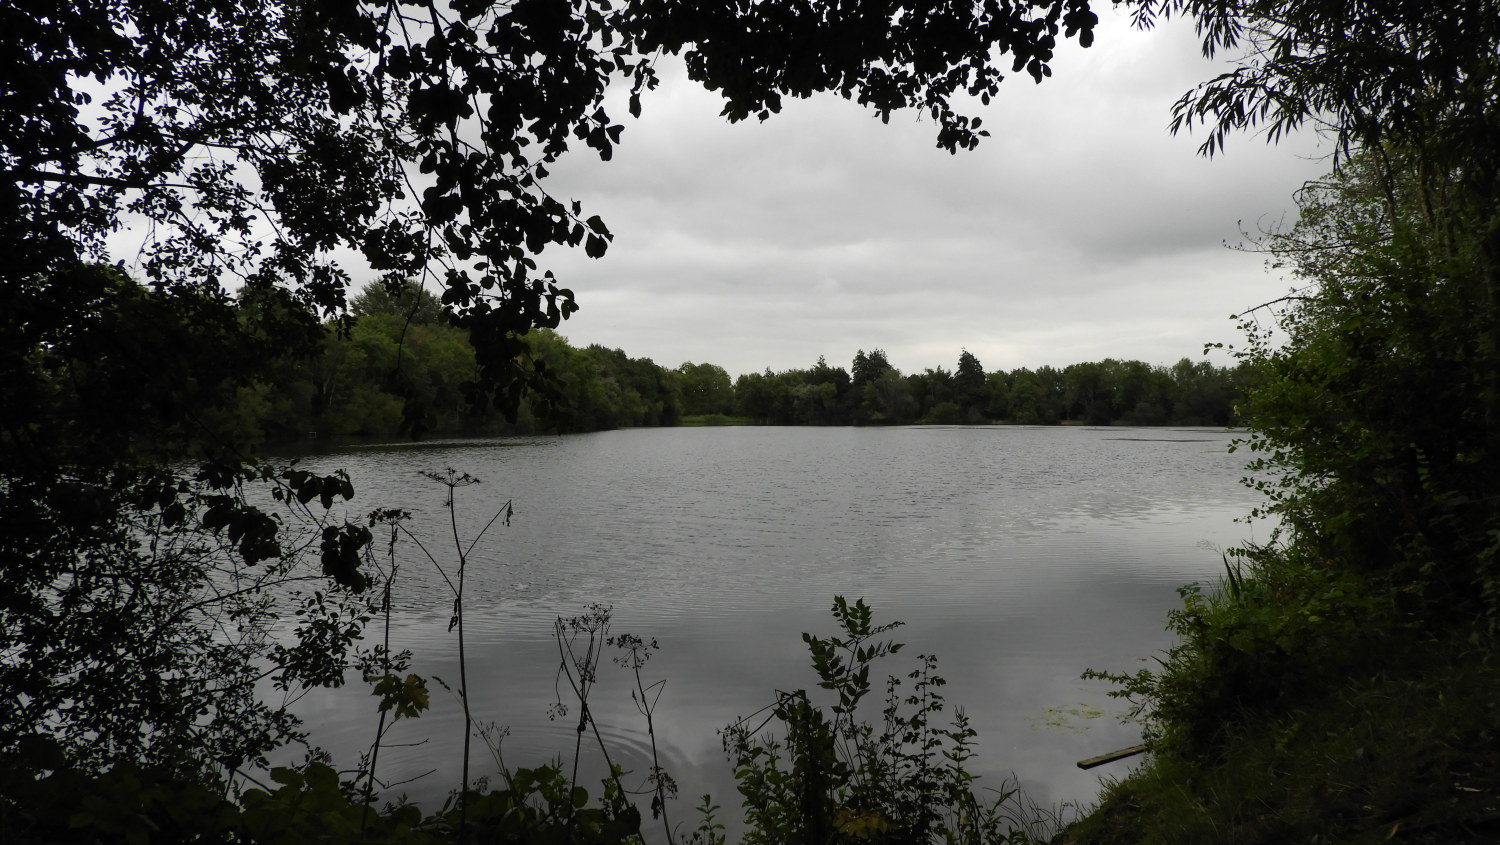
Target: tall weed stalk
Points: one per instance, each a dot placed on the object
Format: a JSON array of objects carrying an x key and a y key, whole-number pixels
[
  {"x": 582, "y": 642},
  {"x": 412, "y": 686},
  {"x": 406, "y": 697},
  {"x": 534, "y": 801}
]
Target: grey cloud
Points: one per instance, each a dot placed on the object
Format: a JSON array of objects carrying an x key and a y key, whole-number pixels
[{"x": 1080, "y": 230}]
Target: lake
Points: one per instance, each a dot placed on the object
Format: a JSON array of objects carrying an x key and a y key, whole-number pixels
[{"x": 1020, "y": 556}]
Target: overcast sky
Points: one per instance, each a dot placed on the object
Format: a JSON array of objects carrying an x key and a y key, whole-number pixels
[{"x": 1080, "y": 230}]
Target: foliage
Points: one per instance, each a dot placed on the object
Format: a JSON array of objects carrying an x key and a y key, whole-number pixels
[
  {"x": 1104, "y": 393},
  {"x": 44, "y": 800},
  {"x": 136, "y": 610},
  {"x": 968, "y": 382},
  {"x": 1369, "y": 419},
  {"x": 1399, "y": 750},
  {"x": 705, "y": 389},
  {"x": 1383, "y": 74},
  {"x": 1267, "y": 640},
  {"x": 305, "y": 804},
  {"x": 397, "y": 368},
  {"x": 595, "y": 389},
  {"x": 714, "y": 420},
  {"x": 411, "y": 302},
  {"x": 1036, "y": 397},
  {"x": 153, "y": 649},
  {"x": 1341, "y": 686},
  {"x": 384, "y": 376},
  {"x": 834, "y": 777},
  {"x": 1372, "y": 419}
]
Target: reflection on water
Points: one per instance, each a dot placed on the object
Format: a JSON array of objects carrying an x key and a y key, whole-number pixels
[{"x": 1020, "y": 556}]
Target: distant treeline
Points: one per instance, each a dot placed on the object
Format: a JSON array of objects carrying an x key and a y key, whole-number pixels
[
  {"x": 1102, "y": 393},
  {"x": 402, "y": 367}
]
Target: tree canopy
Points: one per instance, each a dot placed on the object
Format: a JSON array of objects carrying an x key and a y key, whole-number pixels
[{"x": 1377, "y": 73}]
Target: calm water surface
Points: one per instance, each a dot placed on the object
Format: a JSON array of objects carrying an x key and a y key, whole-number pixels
[{"x": 1020, "y": 556}]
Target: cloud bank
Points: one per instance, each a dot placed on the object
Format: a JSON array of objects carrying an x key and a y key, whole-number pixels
[{"x": 1080, "y": 230}]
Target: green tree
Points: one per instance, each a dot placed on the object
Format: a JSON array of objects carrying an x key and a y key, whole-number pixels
[
  {"x": 1372, "y": 415},
  {"x": 929, "y": 389},
  {"x": 1089, "y": 393},
  {"x": 969, "y": 383},
  {"x": 1376, "y": 411},
  {"x": 705, "y": 389},
  {"x": 1036, "y": 396},
  {"x": 752, "y": 396},
  {"x": 121, "y": 574},
  {"x": 1205, "y": 394},
  {"x": 996, "y": 396},
  {"x": 1146, "y": 395},
  {"x": 815, "y": 404},
  {"x": 407, "y": 300},
  {"x": 867, "y": 403},
  {"x": 838, "y": 378},
  {"x": 889, "y": 400},
  {"x": 1376, "y": 75}
]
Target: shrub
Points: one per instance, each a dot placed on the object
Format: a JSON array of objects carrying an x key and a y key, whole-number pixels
[{"x": 833, "y": 777}]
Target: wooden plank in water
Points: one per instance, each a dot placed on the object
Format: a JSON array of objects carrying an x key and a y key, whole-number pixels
[{"x": 1112, "y": 756}]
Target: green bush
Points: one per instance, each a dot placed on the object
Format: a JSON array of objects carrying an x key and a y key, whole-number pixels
[
  {"x": 833, "y": 777},
  {"x": 1274, "y": 632}
]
